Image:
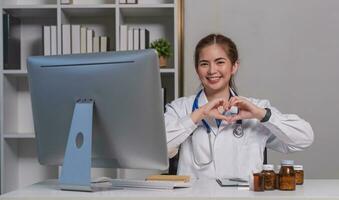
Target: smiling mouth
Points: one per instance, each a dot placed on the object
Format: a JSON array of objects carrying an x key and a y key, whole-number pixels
[{"x": 213, "y": 78}]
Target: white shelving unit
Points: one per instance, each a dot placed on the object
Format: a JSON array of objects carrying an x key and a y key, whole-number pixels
[{"x": 18, "y": 157}]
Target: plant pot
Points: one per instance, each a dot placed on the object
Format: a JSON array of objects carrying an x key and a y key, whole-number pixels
[{"x": 162, "y": 61}]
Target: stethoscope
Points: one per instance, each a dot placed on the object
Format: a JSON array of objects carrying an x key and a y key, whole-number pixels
[{"x": 238, "y": 131}]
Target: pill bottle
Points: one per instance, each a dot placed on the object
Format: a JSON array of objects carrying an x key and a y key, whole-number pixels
[
  {"x": 269, "y": 177},
  {"x": 258, "y": 182},
  {"x": 287, "y": 175},
  {"x": 299, "y": 174},
  {"x": 277, "y": 177}
]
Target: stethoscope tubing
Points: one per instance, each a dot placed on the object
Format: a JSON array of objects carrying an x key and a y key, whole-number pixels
[{"x": 237, "y": 132}]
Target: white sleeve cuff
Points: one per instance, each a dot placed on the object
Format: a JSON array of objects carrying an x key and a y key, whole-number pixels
[
  {"x": 271, "y": 120},
  {"x": 188, "y": 123}
]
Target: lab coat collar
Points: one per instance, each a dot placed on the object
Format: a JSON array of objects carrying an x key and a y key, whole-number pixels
[
  {"x": 202, "y": 99},
  {"x": 233, "y": 92}
]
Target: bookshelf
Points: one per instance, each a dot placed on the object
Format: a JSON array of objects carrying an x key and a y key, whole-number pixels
[{"x": 18, "y": 157}]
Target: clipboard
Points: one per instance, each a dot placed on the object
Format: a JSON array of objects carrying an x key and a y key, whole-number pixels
[{"x": 226, "y": 182}]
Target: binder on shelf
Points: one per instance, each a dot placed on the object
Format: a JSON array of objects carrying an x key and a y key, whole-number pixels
[
  {"x": 96, "y": 44},
  {"x": 75, "y": 40},
  {"x": 122, "y": 1},
  {"x": 103, "y": 43},
  {"x": 66, "y": 39},
  {"x": 130, "y": 39},
  {"x": 92, "y": 2},
  {"x": 144, "y": 38},
  {"x": 54, "y": 41},
  {"x": 123, "y": 37},
  {"x": 89, "y": 42},
  {"x": 83, "y": 40},
  {"x": 47, "y": 40},
  {"x": 11, "y": 42},
  {"x": 136, "y": 37}
]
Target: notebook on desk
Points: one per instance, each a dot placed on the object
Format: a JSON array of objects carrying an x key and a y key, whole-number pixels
[
  {"x": 179, "y": 181},
  {"x": 179, "y": 178}
]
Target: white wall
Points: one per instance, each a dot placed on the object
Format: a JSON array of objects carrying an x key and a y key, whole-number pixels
[{"x": 289, "y": 54}]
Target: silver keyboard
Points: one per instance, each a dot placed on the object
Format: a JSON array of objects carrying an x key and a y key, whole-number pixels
[
  {"x": 132, "y": 183},
  {"x": 128, "y": 183}
]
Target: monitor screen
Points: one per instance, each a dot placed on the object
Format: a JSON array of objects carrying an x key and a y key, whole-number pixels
[{"x": 128, "y": 124}]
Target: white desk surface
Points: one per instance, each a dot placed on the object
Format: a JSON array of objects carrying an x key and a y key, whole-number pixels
[{"x": 202, "y": 189}]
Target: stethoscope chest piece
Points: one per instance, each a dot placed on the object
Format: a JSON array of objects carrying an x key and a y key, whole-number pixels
[{"x": 238, "y": 131}]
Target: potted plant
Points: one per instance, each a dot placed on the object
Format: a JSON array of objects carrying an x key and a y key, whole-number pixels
[{"x": 163, "y": 47}]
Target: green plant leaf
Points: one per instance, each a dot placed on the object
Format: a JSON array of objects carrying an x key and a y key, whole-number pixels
[{"x": 162, "y": 46}]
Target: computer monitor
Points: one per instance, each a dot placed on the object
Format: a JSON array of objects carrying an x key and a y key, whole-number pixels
[{"x": 110, "y": 101}]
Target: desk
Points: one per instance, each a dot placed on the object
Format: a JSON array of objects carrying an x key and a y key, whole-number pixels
[{"x": 202, "y": 189}]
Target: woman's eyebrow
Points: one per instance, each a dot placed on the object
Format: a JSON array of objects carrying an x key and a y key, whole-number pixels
[
  {"x": 200, "y": 61},
  {"x": 220, "y": 58}
]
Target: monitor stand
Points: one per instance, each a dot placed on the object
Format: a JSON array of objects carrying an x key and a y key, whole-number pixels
[{"x": 76, "y": 170}]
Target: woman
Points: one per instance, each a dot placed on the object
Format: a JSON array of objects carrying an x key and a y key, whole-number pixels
[{"x": 215, "y": 145}]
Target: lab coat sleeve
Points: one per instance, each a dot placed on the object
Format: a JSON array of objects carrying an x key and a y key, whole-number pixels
[
  {"x": 289, "y": 132},
  {"x": 179, "y": 126}
]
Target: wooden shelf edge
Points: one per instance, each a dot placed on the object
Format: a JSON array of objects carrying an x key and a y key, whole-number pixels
[
  {"x": 19, "y": 136},
  {"x": 167, "y": 70},
  {"x": 13, "y": 72},
  {"x": 74, "y": 6},
  {"x": 167, "y": 5}
]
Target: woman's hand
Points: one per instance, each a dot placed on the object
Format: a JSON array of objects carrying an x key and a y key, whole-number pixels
[
  {"x": 247, "y": 110},
  {"x": 212, "y": 109}
]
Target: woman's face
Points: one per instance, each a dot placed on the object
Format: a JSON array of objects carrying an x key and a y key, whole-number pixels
[{"x": 215, "y": 68}]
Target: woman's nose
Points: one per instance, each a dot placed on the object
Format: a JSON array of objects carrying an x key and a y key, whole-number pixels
[{"x": 212, "y": 69}]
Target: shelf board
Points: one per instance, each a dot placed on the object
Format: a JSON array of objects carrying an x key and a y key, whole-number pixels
[
  {"x": 163, "y": 5},
  {"x": 14, "y": 72},
  {"x": 89, "y": 11},
  {"x": 31, "y": 11},
  {"x": 167, "y": 70},
  {"x": 149, "y": 11},
  {"x": 74, "y": 6},
  {"x": 19, "y": 135},
  {"x": 30, "y": 6}
]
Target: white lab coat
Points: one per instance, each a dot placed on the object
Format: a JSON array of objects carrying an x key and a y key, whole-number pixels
[{"x": 233, "y": 157}]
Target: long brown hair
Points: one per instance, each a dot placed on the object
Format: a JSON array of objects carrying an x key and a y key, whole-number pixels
[{"x": 226, "y": 43}]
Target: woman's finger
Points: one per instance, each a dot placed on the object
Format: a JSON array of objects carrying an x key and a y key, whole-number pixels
[
  {"x": 237, "y": 102},
  {"x": 227, "y": 105},
  {"x": 231, "y": 118},
  {"x": 219, "y": 116},
  {"x": 234, "y": 118},
  {"x": 228, "y": 119},
  {"x": 232, "y": 99}
]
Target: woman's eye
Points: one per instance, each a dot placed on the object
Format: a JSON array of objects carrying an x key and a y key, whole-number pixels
[
  {"x": 220, "y": 62},
  {"x": 203, "y": 64}
]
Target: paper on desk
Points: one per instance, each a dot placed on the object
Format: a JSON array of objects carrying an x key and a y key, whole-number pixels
[{"x": 180, "y": 184}]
